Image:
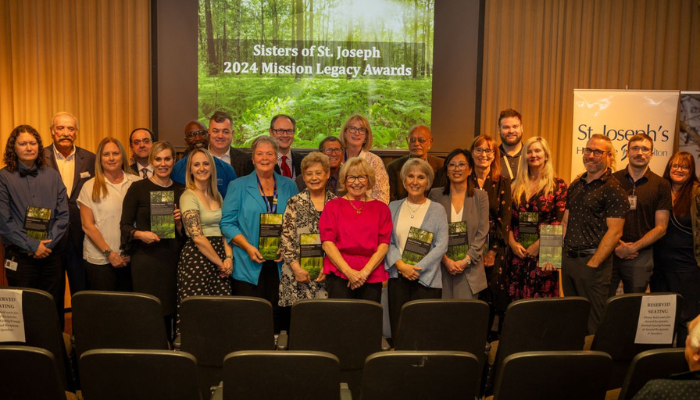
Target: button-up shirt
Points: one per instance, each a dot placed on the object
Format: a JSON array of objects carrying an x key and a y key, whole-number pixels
[
  {"x": 589, "y": 205},
  {"x": 66, "y": 167},
  {"x": 46, "y": 190}
]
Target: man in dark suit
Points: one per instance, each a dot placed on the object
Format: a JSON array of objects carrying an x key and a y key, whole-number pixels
[
  {"x": 283, "y": 127},
  {"x": 220, "y": 136},
  {"x": 76, "y": 166},
  {"x": 419, "y": 141},
  {"x": 140, "y": 141}
]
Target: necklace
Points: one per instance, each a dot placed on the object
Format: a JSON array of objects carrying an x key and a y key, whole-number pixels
[
  {"x": 358, "y": 210},
  {"x": 170, "y": 182},
  {"x": 412, "y": 211}
]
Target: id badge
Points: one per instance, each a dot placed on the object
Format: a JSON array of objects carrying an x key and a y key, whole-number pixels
[
  {"x": 633, "y": 201},
  {"x": 11, "y": 265}
]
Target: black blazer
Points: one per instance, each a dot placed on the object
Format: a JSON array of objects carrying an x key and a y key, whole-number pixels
[
  {"x": 296, "y": 164},
  {"x": 84, "y": 170},
  {"x": 241, "y": 162}
]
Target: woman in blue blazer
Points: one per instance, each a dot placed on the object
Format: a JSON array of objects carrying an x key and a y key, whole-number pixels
[
  {"x": 412, "y": 275},
  {"x": 256, "y": 273}
]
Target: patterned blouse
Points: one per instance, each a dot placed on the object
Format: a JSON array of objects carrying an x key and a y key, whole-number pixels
[{"x": 300, "y": 217}]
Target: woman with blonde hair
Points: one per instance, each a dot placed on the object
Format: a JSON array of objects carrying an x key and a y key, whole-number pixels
[
  {"x": 206, "y": 260},
  {"x": 100, "y": 203},
  {"x": 538, "y": 192},
  {"x": 355, "y": 234},
  {"x": 356, "y": 139}
]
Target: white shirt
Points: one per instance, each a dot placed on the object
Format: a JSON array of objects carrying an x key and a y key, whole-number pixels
[
  {"x": 405, "y": 222},
  {"x": 66, "y": 167},
  {"x": 226, "y": 157},
  {"x": 289, "y": 163},
  {"x": 456, "y": 216},
  {"x": 106, "y": 215},
  {"x": 148, "y": 168}
]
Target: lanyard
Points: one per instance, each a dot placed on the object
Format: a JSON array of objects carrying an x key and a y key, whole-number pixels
[{"x": 271, "y": 209}]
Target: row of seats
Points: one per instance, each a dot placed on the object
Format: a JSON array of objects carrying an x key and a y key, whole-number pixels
[
  {"x": 110, "y": 374},
  {"x": 212, "y": 327}
]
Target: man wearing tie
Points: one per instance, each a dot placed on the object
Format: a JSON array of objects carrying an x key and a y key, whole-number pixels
[
  {"x": 141, "y": 140},
  {"x": 283, "y": 128},
  {"x": 76, "y": 166}
]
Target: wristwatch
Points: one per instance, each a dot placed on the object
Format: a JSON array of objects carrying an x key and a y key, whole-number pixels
[{"x": 107, "y": 252}]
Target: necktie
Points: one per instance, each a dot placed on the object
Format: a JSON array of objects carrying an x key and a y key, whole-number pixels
[
  {"x": 32, "y": 172},
  {"x": 285, "y": 168},
  {"x": 144, "y": 173}
]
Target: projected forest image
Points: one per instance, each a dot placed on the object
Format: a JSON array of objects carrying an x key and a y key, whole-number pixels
[{"x": 319, "y": 61}]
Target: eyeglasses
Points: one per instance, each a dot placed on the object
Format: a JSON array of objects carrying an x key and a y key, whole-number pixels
[
  {"x": 138, "y": 142},
  {"x": 480, "y": 150},
  {"x": 332, "y": 151},
  {"x": 355, "y": 129},
  {"x": 191, "y": 135},
  {"x": 588, "y": 151},
  {"x": 356, "y": 178},
  {"x": 637, "y": 149},
  {"x": 283, "y": 132},
  {"x": 683, "y": 168},
  {"x": 452, "y": 166},
  {"x": 417, "y": 139}
]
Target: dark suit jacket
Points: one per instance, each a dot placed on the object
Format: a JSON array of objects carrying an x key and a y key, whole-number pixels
[
  {"x": 396, "y": 189},
  {"x": 296, "y": 164},
  {"x": 84, "y": 170},
  {"x": 242, "y": 162}
]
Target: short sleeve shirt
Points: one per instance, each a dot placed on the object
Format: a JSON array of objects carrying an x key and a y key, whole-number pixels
[
  {"x": 653, "y": 193},
  {"x": 589, "y": 205}
]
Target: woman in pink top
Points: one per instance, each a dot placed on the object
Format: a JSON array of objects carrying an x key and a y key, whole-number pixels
[{"x": 355, "y": 231}]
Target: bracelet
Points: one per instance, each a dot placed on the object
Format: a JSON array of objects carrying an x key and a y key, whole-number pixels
[{"x": 229, "y": 256}]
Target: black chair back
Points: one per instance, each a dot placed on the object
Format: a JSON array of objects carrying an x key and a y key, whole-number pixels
[
  {"x": 213, "y": 326},
  {"x": 281, "y": 375},
  {"x": 116, "y": 320},
  {"x": 420, "y": 375},
  {"x": 618, "y": 329},
  {"x": 111, "y": 374},
  {"x": 349, "y": 329},
  {"x": 548, "y": 324},
  {"x": 652, "y": 364},
  {"x": 30, "y": 373},
  {"x": 553, "y": 375}
]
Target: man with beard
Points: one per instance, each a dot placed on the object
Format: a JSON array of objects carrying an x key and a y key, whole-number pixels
[
  {"x": 510, "y": 127},
  {"x": 197, "y": 136},
  {"x": 220, "y": 137},
  {"x": 331, "y": 147},
  {"x": 649, "y": 196},
  {"x": 593, "y": 221},
  {"x": 141, "y": 140},
  {"x": 76, "y": 166},
  {"x": 283, "y": 128},
  {"x": 29, "y": 189},
  {"x": 419, "y": 142}
]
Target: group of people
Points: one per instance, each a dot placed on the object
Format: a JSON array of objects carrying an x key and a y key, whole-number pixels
[{"x": 337, "y": 223}]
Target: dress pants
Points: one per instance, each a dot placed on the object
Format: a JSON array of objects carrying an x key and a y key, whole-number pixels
[
  {"x": 578, "y": 279},
  {"x": 338, "y": 288},
  {"x": 401, "y": 291},
  {"x": 268, "y": 288},
  {"x": 634, "y": 273}
]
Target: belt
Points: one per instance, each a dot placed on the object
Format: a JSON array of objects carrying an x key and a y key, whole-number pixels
[{"x": 580, "y": 253}]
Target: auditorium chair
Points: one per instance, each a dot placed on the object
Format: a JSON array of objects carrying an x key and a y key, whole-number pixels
[
  {"x": 618, "y": 328},
  {"x": 553, "y": 375},
  {"x": 117, "y": 320},
  {"x": 349, "y": 329},
  {"x": 420, "y": 375},
  {"x": 31, "y": 373},
  {"x": 112, "y": 374},
  {"x": 281, "y": 375},
  {"x": 652, "y": 364},
  {"x": 454, "y": 325},
  {"x": 42, "y": 329},
  {"x": 213, "y": 326},
  {"x": 548, "y": 324}
]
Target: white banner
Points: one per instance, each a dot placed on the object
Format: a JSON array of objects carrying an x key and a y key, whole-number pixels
[
  {"x": 621, "y": 114},
  {"x": 11, "y": 317},
  {"x": 689, "y": 138}
]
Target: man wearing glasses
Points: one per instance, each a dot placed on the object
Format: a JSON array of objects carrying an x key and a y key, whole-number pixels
[
  {"x": 141, "y": 140},
  {"x": 649, "y": 197},
  {"x": 197, "y": 136},
  {"x": 220, "y": 137},
  {"x": 283, "y": 128},
  {"x": 331, "y": 147},
  {"x": 510, "y": 126},
  {"x": 596, "y": 207},
  {"x": 419, "y": 142}
]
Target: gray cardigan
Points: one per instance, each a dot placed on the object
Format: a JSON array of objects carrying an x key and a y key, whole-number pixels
[{"x": 435, "y": 221}]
